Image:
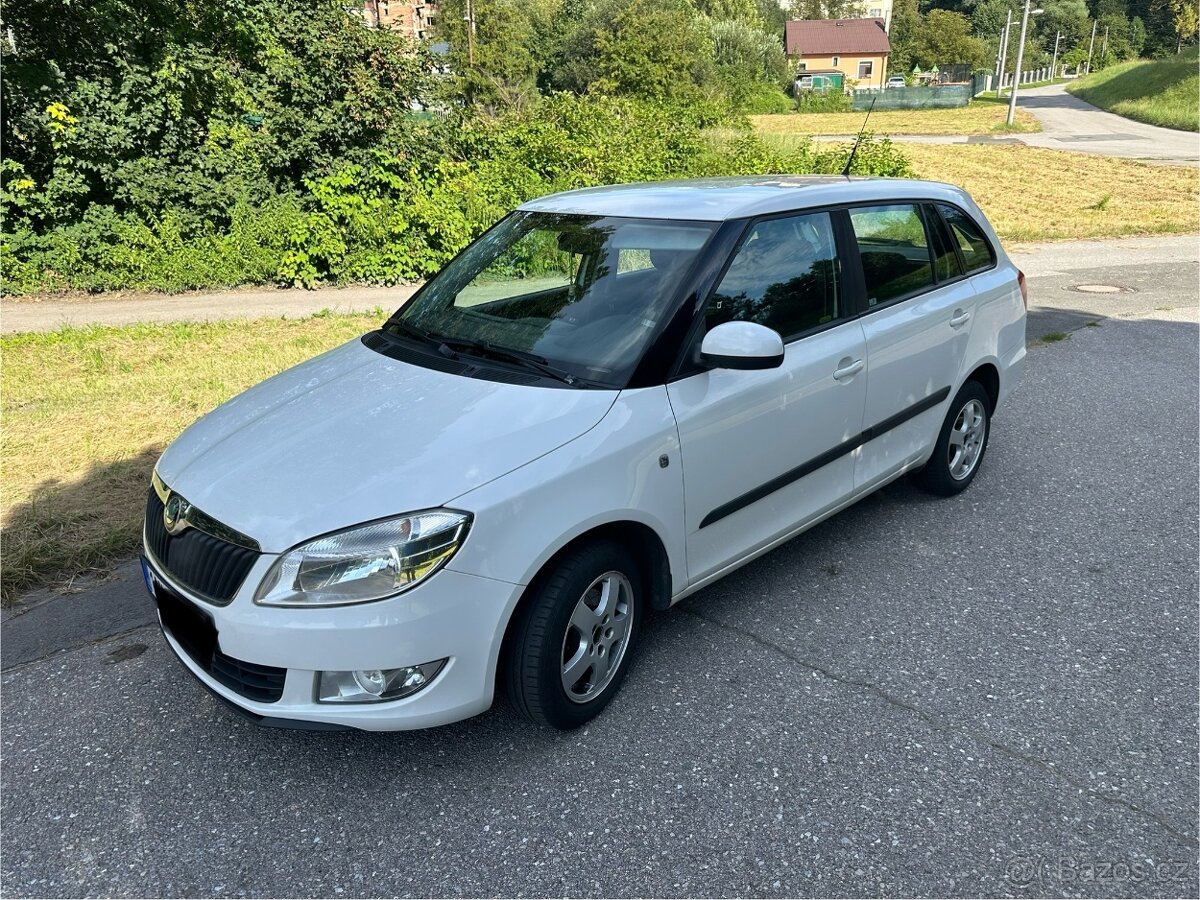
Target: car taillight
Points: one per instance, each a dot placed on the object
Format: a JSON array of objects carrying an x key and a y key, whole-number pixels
[{"x": 1024, "y": 288}]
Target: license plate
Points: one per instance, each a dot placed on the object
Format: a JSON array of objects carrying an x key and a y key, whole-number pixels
[
  {"x": 148, "y": 576},
  {"x": 187, "y": 623}
]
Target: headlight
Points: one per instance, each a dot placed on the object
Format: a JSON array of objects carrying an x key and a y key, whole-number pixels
[{"x": 368, "y": 562}]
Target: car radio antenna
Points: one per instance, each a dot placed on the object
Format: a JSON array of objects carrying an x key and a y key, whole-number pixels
[{"x": 854, "y": 149}]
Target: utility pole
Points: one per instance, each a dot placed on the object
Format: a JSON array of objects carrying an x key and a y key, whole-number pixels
[
  {"x": 1054, "y": 61},
  {"x": 1091, "y": 44},
  {"x": 469, "y": 18},
  {"x": 1003, "y": 51},
  {"x": 1012, "y": 94},
  {"x": 1104, "y": 52}
]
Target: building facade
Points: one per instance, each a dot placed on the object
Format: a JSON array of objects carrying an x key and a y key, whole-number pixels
[
  {"x": 858, "y": 48},
  {"x": 415, "y": 20}
]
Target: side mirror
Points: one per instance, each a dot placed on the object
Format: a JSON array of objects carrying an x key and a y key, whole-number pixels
[{"x": 742, "y": 345}]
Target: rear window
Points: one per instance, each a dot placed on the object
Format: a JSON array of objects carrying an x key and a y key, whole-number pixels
[
  {"x": 976, "y": 252},
  {"x": 894, "y": 251}
]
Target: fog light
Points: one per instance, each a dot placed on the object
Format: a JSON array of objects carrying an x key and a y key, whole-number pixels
[{"x": 375, "y": 685}]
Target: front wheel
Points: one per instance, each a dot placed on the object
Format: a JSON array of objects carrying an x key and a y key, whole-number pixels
[
  {"x": 571, "y": 645},
  {"x": 961, "y": 443}
]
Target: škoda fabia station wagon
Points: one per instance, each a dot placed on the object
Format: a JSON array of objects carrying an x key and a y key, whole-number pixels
[{"x": 611, "y": 399}]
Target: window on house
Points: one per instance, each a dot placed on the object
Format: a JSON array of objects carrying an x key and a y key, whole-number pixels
[
  {"x": 803, "y": 67},
  {"x": 876, "y": 13},
  {"x": 866, "y": 68},
  {"x": 836, "y": 60}
]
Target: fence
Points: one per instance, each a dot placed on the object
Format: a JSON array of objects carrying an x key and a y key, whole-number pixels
[
  {"x": 1029, "y": 76},
  {"x": 941, "y": 96}
]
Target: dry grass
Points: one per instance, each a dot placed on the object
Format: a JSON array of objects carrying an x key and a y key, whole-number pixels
[
  {"x": 1031, "y": 194},
  {"x": 984, "y": 115},
  {"x": 87, "y": 411}
]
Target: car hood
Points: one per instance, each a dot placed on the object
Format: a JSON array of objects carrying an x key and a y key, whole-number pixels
[{"x": 354, "y": 435}]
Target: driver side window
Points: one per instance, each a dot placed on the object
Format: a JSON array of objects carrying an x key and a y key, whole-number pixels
[{"x": 784, "y": 276}]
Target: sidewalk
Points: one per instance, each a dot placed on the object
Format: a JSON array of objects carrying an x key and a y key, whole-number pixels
[
  {"x": 47, "y": 315},
  {"x": 197, "y": 306}
]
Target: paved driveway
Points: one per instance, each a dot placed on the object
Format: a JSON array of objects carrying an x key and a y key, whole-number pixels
[
  {"x": 1069, "y": 123},
  {"x": 994, "y": 694}
]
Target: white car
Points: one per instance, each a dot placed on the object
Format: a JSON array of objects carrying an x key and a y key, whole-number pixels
[{"x": 613, "y": 398}]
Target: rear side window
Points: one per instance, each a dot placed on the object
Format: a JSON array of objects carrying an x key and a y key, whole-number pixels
[
  {"x": 945, "y": 260},
  {"x": 894, "y": 251},
  {"x": 977, "y": 254},
  {"x": 784, "y": 276}
]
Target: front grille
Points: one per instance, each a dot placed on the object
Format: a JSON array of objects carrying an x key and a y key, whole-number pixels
[
  {"x": 194, "y": 631},
  {"x": 212, "y": 567}
]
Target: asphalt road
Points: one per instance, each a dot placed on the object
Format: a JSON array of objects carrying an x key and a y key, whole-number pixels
[
  {"x": 1069, "y": 123},
  {"x": 994, "y": 694}
]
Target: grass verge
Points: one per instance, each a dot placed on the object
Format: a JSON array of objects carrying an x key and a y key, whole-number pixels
[
  {"x": 1033, "y": 194},
  {"x": 87, "y": 411},
  {"x": 1162, "y": 92},
  {"x": 982, "y": 116}
]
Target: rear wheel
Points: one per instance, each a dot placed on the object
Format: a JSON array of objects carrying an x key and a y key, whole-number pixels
[
  {"x": 571, "y": 645},
  {"x": 961, "y": 443}
]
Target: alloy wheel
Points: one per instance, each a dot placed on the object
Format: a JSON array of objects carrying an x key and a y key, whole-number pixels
[
  {"x": 966, "y": 439},
  {"x": 597, "y": 635}
]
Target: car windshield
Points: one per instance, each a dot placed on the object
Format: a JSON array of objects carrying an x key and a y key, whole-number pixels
[{"x": 577, "y": 298}]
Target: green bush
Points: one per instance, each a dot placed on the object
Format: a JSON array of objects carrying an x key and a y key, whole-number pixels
[
  {"x": 746, "y": 153},
  {"x": 106, "y": 251},
  {"x": 154, "y": 146},
  {"x": 766, "y": 99},
  {"x": 822, "y": 102}
]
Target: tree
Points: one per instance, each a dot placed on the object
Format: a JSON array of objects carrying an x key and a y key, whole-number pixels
[
  {"x": 945, "y": 38},
  {"x": 1185, "y": 19},
  {"x": 725, "y": 10},
  {"x": 906, "y": 24},
  {"x": 988, "y": 18},
  {"x": 147, "y": 105},
  {"x": 1068, "y": 18},
  {"x": 655, "y": 50},
  {"x": 825, "y": 9},
  {"x": 746, "y": 58}
]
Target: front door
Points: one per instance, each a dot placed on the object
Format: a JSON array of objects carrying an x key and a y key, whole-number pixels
[{"x": 764, "y": 451}]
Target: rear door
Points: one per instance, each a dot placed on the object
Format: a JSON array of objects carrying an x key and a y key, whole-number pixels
[
  {"x": 916, "y": 318},
  {"x": 764, "y": 451}
]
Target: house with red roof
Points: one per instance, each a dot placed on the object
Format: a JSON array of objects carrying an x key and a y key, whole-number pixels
[{"x": 858, "y": 48}]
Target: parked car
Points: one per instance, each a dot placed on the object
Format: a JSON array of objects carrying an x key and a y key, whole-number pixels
[
  {"x": 896, "y": 81},
  {"x": 613, "y": 398}
]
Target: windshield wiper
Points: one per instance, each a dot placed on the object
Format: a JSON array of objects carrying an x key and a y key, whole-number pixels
[
  {"x": 423, "y": 336},
  {"x": 504, "y": 354}
]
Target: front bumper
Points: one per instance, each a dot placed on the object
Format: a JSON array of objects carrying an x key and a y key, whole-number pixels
[{"x": 453, "y": 615}]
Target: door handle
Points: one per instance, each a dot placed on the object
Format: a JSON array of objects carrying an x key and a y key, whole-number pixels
[
  {"x": 959, "y": 318},
  {"x": 849, "y": 370}
]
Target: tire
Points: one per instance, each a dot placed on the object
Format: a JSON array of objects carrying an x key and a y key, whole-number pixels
[
  {"x": 569, "y": 630},
  {"x": 948, "y": 472}
]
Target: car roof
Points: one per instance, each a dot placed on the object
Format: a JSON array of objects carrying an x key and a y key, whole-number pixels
[{"x": 719, "y": 199}]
